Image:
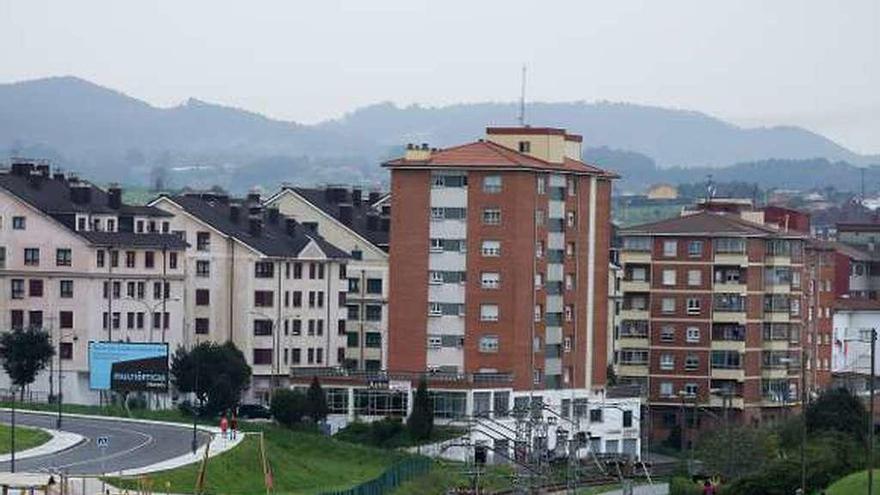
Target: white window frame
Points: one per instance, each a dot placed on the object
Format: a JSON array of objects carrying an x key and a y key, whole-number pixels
[
  {"x": 693, "y": 306},
  {"x": 539, "y": 280},
  {"x": 667, "y": 333},
  {"x": 492, "y": 184},
  {"x": 670, "y": 248},
  {"x": 667, "y": 305},
  {"x": 490, "y": 280},
  {"x": 666, "y": 389},
  {"x": 489, "y": 344},
  {"x": 692, "y": 335},
  {"x": 434, "y": 309},
  {"x": 436, "y": 277},
  {"x": 487, "y": 313},
  {"x": 490, "y": 249},
  {"x": 695, "y": 278},
  {"x": 667, "y": 361},
  {"x": 435, "y": 342},
  {"x": 669, "y": 276}
]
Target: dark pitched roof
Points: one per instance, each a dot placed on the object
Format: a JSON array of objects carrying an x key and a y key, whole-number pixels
[
  {"x": 273, "y": 240},
  {"x": 132, "y": 240},
  {"x": 486, "y": 154},
  {"x": 359, "y": 222},
  {"x": 709, "y": 224}
]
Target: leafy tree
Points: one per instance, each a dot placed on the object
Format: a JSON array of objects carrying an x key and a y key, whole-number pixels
[
  {"x": 738, "y": 451},
  {"x": 421, "y": 421},
  {"x": 317, "y": 401},
  {"x": 24, "y": 354},
  {"x": 217, "y": 373},
  {"x": 288, "y": 406},
  {"x": 838, "y": 410}
]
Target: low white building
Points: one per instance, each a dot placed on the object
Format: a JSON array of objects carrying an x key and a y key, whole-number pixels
[{"x": 854, "y": 319}]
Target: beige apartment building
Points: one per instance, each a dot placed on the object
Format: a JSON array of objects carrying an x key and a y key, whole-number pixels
[
  {"x": 358, "y": 224},
  {"x": 262, "y": 280},
  {"x": 81, "y": 264}
]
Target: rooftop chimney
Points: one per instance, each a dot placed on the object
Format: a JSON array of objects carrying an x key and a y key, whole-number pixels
[
  {"x": 290, "y": 226},
  {"x": 114, "y": 196},
  {"x": 22, "y": 169},
  {"x": 417, "y": 153},
  {"x": 59, "y": 176},
  {"x": 43, "y": 170},
  {"x": 234, "y": 212},
  {"x": 253, "y": 196},
  {"x": 356, "y": 197}
]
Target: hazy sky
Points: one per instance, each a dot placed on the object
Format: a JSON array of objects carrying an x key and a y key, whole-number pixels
[{"x": 810, "y": 63}]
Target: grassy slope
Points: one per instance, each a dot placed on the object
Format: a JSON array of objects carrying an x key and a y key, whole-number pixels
[
  {"x": 854, "y": 483},
  {"x": 25, "y": 438},
  {"x": 302, "y": 463},
  {"x": 446, "y": 475}
]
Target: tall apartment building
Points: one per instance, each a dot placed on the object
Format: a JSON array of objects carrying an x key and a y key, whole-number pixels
[
  {"x": 713, "y": 309},
  {"x": 269, "y": 284},
  {"x": 357, "y": 223},
  {"x": 78, "y": 262},
  {"x": 499, "y": 261}
]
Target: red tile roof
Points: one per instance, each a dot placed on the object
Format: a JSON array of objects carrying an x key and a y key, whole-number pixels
[{"x": 486, "y": 154}]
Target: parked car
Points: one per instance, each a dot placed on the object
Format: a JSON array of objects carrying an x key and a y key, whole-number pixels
[{"x": 254, "y": 411}]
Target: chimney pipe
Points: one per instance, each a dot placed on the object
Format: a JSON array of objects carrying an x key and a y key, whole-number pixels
[
  {"x": 114, "y": 196},
  {"x": 356, "y": 197}
]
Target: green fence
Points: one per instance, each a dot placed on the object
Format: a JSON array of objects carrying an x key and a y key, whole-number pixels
[{"x": 390, "y": 479}]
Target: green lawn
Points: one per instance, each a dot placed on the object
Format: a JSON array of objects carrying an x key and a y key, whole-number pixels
[
  {"x": 854, "y": 483},
  {"x": 302, "y": 463},
  {"x": 25, "y": 438}
]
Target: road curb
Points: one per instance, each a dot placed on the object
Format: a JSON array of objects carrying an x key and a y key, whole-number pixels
[
  {"x": 209, "y": 429},
  {"x": 60, "y": 441}
]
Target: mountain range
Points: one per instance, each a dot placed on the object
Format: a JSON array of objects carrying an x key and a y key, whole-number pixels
[{"x": 108, "y": 135}]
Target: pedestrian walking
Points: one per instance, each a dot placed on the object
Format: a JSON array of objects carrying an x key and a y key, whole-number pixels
[
  {"x": 234, "y": 425},
  {"x": 224, "y": 426},
  {"x": 708, "y": 488}
]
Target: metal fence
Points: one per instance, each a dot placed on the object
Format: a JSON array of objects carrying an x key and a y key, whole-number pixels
[{"x": 390, "y": 479}]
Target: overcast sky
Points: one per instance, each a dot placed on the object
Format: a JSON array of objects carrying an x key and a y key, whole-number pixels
[{"x": 810, "y": 63}]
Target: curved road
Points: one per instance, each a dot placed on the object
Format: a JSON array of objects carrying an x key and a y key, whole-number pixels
[{"x": 132, "y": 444}]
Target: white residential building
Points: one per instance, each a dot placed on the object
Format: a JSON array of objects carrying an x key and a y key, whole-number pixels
[
  {"x": 79, "y": 263},
  {"x": 269, "y": 284},
  {"x": 359, "y": 226}
]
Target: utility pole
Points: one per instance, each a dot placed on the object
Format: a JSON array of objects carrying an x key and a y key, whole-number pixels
[{"x": 871, "y": 415}]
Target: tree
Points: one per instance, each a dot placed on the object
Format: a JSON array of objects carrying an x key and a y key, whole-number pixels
[
  {"x": 838, "y": 410},
  {"x": 220, "y": 370},
  {"x": 288, "y": 406},
  {"x": 421, "y": 421},
  {"x": 317, "y": 401},
  {"x": 25, "y": 353},
  {"x": 736, "y": 451}
]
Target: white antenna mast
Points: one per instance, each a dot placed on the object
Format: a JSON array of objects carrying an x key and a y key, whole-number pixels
[{"x": 522, "y": 99}]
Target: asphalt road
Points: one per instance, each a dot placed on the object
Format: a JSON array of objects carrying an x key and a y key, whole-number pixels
[{"x": 131, "y": 444}]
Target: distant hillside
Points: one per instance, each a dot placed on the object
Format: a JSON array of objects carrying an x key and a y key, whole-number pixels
[{"x": 110, "y": 136}]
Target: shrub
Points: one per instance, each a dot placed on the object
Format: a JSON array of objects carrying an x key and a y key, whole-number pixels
[
  {"x": 684, "y": 486},
  {"x": 421, "y": 421},
  {"x": 288, "y": 407}
]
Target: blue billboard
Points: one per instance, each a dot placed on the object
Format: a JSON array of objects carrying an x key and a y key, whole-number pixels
[{"x": 128, "y": 366}]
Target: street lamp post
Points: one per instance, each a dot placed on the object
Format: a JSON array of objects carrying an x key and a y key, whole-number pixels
[
  {"x": 195, "y": 440},
  {"x": 873, "y": 341}
]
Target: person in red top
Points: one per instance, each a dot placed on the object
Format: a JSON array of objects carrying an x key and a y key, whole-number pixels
[
  {"x": 708, "y": 489},
  {"x": 224, "y": 425}
]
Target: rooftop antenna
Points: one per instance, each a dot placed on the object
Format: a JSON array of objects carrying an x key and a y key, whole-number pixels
[
  {"x": 522, "y": 99},
  {"x": 710, "y": 188}
]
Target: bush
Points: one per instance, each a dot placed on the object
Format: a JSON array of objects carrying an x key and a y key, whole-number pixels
[
  {"x": 684, "y": 486},
  {"x": 288, "y": 407},
  {"x": 387, "y": 433},
  {"x": 137, "y": 402}
]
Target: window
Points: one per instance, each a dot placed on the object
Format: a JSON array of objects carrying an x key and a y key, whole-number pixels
[
  {"x": 111, "y": 225},
  {"x": 297, "y": 270},
  {"x": 373, "y": 340},
  {"x": 695, "y": 249},
  {"x": 263, "y": 356},
  {"x": 35, "y": 287},
  {"x": 489, "y": 343},
  {"x": 539, "y": 217},
  {"x": 637, "y": 243},
  {"x": 114, "y": 259},
  {"x": 65, "y": 289},
  {"x": 730, "y": 246},
  {"x": 264, "y": 298},
  {"x": 669, "y": 277},
  {"x": 172, "y": 261},
  {"x": 524, "y": 147},
  {"x": 296, "y": 329},
  {"x": 16, "y": 319},
  {"x": 569, "y": 249},
  {"x": 596, "y": 416},
  {"x": 203, "y": 297},
  {"x": 262, "y": 327},
  {"x": 203, "y": 268},
  {"x": 627, "y": 419},
  {"x": 491, "y": 248},
  {"x": 65, "y": 319},
  {"x": 31, "y": 256},
  {"x": 492, "y": 184},
  {"x": 149, "y": 259},
  {"x": 18, "y": 223},
  {"x": 62, "y": 257},
  {"x": 695, "y": 277},
  {"x": 373, "y": 312},
  {"x": 670, "y": 248},
  {"x": 264, "y": 269},
  {"x": 693, "y": 306},
  {"x": 691, "y": 362},
  {"x": 65, "y": 351},
  {"x": 99, "y": 258},
  {"x": 488, "y": 312},
  {"x": 35, "y": 319},
  {"x": 571, "y": 186},
  {"x": 569, "y": 281},
  {"x": 436, "y": 277},
  {"x": 542, "y": 184},
  {"x": 569, "y": 219},
  {"x": 130, "y": 259},
  {"x": 374, "y": 286},
  {"x": 667, "y": 334},
  {"x": 491, "y": 216},
  {"x": 539, "y": 312},
  {"x": 692, "y": 335},
  {"x": 691, "y": 389},
  {"x": 203, "y": 241},
  {"x": 726, "y": 359},
  {"x": 140, "y": 226},
  {"x": 667, "y": 362},
  {"x": 569, "y": 312},
  {"x": 666, "y": 389},
  {"x": 539, "y": 280},
  {"x": 667, "y": 305},
  {"x": 539, "y": 249}
]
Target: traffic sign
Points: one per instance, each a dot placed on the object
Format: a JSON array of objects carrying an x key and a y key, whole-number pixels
[{"x": 103, "y": 442}]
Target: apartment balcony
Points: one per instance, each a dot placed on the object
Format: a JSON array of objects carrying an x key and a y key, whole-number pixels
[
  {"x": 737, "y": 374},
  {"x": 633, "y": 342},
  {"x": 774, "y": 372},
  {"x": 739, "y": 259},
  {"x": 733, "y": 287},
  {"x": 635, "y": 256},
  {"x": 634, "y": 314},
  {"x": 729, "y": 317},
  {"x": 732, "y": 402},
  {"x": 729, "y": 345},
  {"x": 633, "y": 369},
  {"x": 777, "y": 260},
  {"x": 777, "y": 316},
  {"x": 775, "y": 345},
  {"x": 777, "y": 288},
  {"x": 635, "y": 286},
  {"x": 775, "y": 402}
]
